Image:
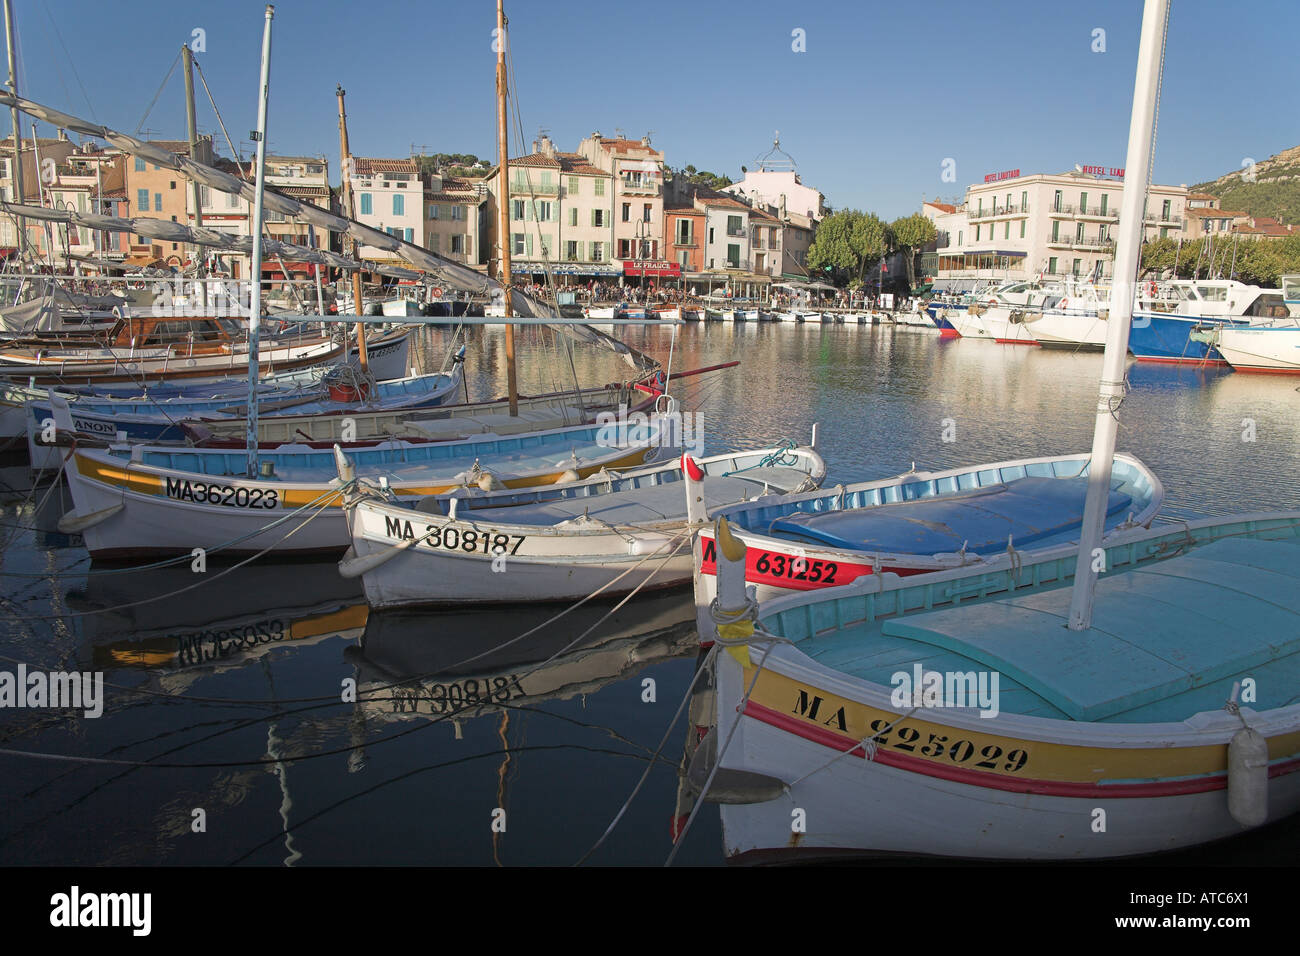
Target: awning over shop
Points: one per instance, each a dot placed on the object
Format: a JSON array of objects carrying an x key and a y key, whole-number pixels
[{"x": 653, "y": 267}]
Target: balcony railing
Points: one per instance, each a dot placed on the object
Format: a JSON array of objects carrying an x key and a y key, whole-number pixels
[
  {"x": 534, "y": 189},
  {"x": 687, "y": 242},
  {"x": 644, "y": 187},
  {"x": 1011, "y": 210},
  {"x": 736, "y": 234},
  {"x": 1062, "y": 209},
  {"x": 1097, "y": 212},
  {"x": 1162, "y": 218}
]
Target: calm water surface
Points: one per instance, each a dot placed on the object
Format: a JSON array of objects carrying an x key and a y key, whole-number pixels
[{"x": 225, "y": 689}]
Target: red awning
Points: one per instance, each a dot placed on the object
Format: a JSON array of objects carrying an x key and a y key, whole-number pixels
[
  {"x": 273, "y": 271},
  {"x": 653, "y": 267}
]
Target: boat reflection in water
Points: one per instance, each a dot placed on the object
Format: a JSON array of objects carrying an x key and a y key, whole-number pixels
[
  {"x": 225, "y": 623},
  {"x": 467, "y": 664}
]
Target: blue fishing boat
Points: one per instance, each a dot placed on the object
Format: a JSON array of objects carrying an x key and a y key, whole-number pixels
[{"x": 1166, "y": 314}]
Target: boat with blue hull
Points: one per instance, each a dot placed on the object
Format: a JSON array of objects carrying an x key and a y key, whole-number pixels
[
  {"x": 163, "y": 421},
  {"x": 1166, "y": 314},
  {"x": 977, "y": 516}
]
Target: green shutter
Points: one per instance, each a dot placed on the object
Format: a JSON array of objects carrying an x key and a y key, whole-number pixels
[{"x": 528, "y": 246}]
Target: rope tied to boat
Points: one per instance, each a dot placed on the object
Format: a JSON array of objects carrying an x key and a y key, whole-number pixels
[
  {"x": 1017, "y": 563},
  {"x": 782, "y": 455}
]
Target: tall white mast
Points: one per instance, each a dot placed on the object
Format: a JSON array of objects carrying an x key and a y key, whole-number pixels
[
  {"x": 1146, "y": 89},
  {"x": 255, "y": 306}
]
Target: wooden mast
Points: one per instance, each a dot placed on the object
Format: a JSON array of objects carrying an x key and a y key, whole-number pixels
[
  {"x": 191, "y": 127},
  {"x": 349, "y": 204},
  {"x": 503, "y": 205}
]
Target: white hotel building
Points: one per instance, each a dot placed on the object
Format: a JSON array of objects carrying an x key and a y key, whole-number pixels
[{"x": 1014, "y": 227}]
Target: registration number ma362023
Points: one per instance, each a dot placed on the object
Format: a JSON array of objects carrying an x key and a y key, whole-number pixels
[{"x": 230, "y": 496}]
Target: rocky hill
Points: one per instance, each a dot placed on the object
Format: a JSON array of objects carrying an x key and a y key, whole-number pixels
[{"x": 1275, "y": 190}]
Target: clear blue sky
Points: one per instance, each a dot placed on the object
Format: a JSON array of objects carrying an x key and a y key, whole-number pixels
[{"x": 883, "y": 94}]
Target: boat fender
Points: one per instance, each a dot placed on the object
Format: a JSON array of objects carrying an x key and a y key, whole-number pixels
[
  {"x": 351, "y": 566},
  {"x": 73, "y": 523},
  {"x": 1064, "y": 303},
  {"x": 567, "y": 476},
  {"x": 490, "y": 482},
  {"x": 1248, "y": 777}
]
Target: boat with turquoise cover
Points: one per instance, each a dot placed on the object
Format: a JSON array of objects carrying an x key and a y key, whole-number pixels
[{"x": 955, "y": 714}]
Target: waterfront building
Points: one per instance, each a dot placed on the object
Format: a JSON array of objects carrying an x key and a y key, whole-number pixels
[
  {"x": 1013, "y": 227},
  {"x": 1212, "y": 221},
  {"x": 388, "y": 196},
  {"x": 55, "y": 149},
  {"x": 765, "y": 243},
  {"x": 156, "y": 192},
  {"x": 89, "y": 180},
  {"x": 306, "y": 179},
  {"x": 637, "y": 173},
  {"x": 456, "y": 219},
  {"x": 776, "y": 184}
]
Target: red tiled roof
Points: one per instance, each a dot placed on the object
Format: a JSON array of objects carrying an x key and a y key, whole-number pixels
[
  {"x": 727, "y": 201},
  {"x": 756, "y": 213},
  {"x": 577, "y": 163},
  {"x": 1203, "y": 213},
  {"x": 1201, "y": 196},
  {"x": 368, "y": 166},
  {"x": 946, "y": 207},
  {"x": 303, "y": 192},
  {"x": 536, "y": 159},
  {"x": 627, "y": 146}
]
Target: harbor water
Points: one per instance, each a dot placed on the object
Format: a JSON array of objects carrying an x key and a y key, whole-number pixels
[{"x": 263, "y": 715}]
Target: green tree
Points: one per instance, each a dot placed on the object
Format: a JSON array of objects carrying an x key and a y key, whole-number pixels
[
  {"x": 832, "y": 249},
  {"x": 910, "y": 236}
]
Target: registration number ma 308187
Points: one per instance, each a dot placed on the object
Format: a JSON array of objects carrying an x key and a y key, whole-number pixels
[{"x": 452, "y": 538}]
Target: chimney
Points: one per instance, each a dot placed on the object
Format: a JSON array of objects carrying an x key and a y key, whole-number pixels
[
  {"x": 547, "y": 147},
  {"x": 596, "y": 137},
  {"x": 63, "y": 135},
  {"x": 645, "y": 140},
  {"x": 782, "y": 205}
]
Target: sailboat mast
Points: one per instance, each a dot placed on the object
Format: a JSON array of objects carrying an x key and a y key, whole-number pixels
[
  {"x": 1146, "y": 89},
  {"x": 191, "y": 126},
  {"x": 255, "y": 308},
  {"x": 345, "y": 159},
  {"x": 503, "y": 205},
  {"x": 13, "y": 114}
]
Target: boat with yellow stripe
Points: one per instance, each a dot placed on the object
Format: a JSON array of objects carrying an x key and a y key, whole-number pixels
[
  {"x": 134, "y": 500},
  {"x": 954, "y": 714}
]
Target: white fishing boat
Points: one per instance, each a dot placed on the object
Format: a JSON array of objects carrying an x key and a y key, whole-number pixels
[
  {"x": 153, "y": 500},
  {"x": 612, "y": 533},
  {"x": 987, "y": 515},
  {"x": 1001, "y": 315},
  {"x": 1124, "y": 723},
  {"x": 1074, "y": 320},
  {"x": 1265, "y": 349}
]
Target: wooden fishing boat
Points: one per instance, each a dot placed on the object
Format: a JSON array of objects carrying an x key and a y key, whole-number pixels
[
  {"x": 445, "y": 422},
  {"x": 157, "y": 500},
  {"x": 612, "y": 533},
  {"x": 866, "y": 713},
  {"x": 155, "y": 422},
  {"x": 153, "y": 352},
  {"x": 977, "y": 516}
]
